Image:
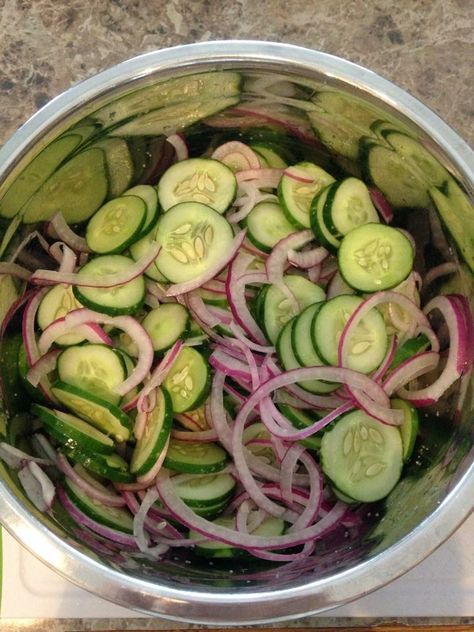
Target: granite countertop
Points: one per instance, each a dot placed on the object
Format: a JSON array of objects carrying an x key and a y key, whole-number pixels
[{"x": 425, "y": 46}]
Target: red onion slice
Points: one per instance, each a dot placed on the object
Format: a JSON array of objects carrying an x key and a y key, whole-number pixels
[
  {"x": 42, "y": 367},
  {"x": 61, "y": 326},
  {"x": 459, "y": 355},
  {"x": 160, "y": 372},
  {"x": 234, "y": 152},
  {"x": 119, "y": 537},
  {"x": 59, "y": 228},
  {"x": 381, "y": 204},
  {"x": 45, "y": 277},
  {"x": 17, "y": 459},
  {"x": 38, "y": 486},
  {"x": 103, "y": 496},
  {"x": 180, "y": 147},
  {"x": 141, "y": 538},
  {"x": 15, "y": 270},
  {"x": 237, "y": 279},
  {"x": 266, "y": 177},
  {"x": 298, "y": 174},
  {"x": 210, "y": 530},
  {"x": 409, "y": 370},
  {"x": 130, "y": 326},
  {"x": 308, "y": 259},
  {"x": 276, "y": 263}
]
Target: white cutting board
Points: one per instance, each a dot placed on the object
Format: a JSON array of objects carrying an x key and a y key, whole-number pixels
[{"x": 441, "y": 586}]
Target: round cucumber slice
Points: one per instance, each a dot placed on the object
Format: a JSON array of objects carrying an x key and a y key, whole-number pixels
[
  {"x": 122, "y": 299},
  {"x": 139, "y": 249},
  {"x": 201, "y": 180},
  {"x": 58, "y": 302},
  {"x": 188, "y": 382},
  {"x": 375, "y": 257},
  {"x": 193, "y": 238},
  {"x": 95, "y": 368},
  {"x": 165, "y": 324},
  {"x": 277, "y": 309},
  {"x": 73, "y": 432},
  {"x": 368, "y": 342},
  {"x": 195, "y": 458},
  {"x": 362, "y": 457},
  {"x": 296, "y": 197},
  {"x": 155, "y": 435},
  {"x": 149, "y": 195},
  {"x": 102, "y": 414},
  {"x": 204, "y": 490},
  {"x": 266, "y": 225},
  {"x": 109, "y": 466},
  {"x": 116, "y": 225},
  {"x": 409, "y": 427},
  {"x": 114, "y": 517}
]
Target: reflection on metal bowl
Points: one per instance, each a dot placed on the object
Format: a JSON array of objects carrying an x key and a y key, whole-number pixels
[{"x": 106, "y": 135}]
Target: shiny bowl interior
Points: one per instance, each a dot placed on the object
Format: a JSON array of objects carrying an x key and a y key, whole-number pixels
[{"x": 278, "y": 88}]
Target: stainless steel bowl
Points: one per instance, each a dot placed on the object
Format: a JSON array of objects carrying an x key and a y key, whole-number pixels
[{"x": 437, "y": 493}]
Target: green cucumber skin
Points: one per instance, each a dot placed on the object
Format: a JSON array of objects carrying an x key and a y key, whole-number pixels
[
  {"x": 71, "y": 437},
  {"x": 80, "y": 504},
  {"x": 161, "y": 439},
  {"x": 110, "y": 311},
  {"x": 122, "y": 418}
]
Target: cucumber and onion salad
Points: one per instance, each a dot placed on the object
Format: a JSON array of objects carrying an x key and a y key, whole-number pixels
[{"x": 200, "y": 373}]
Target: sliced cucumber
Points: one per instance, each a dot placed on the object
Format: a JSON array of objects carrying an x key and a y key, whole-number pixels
[
  {"x": 302, "y": 345},
  {"x": 362, "y": 457},
  {"x": 116, "y": 225},
  {"x": 288, "y": 360},
  {"x": 266, "y": 225},
  {"x": 193, "y": 238},
  {"x": 296, "y": 197},
  {"x": 402, "y": 185},
  {"x": 318, "y": 225},
  {"x": 110, "y": 466},
  {"x": 23, "y": 367},
  {"x": 202, "y": 180},
  {"x": 166, "y": 324},
  {"x": 58, "y": 302},
  {"x": 369, "y": 341},
  {"x": 115, "y": 517},
  {"x": 73, "y": 432},
  {"x": 256, "y": 431},
  {"x": 36, "y": 173},
  {"x": 348, "y": 205},
  {"x": 188, "y": 381},
  {"x": 409, "y": 427},
  {"x": 204, "y": 490},
  {"x": 139, "y": 249},
  {"x": 271, "y": 158},
  {"x": 174, "y": 118},
  {"x": 77, "y": 190},
  {"x": 301, "y": 419},
  {"x": 122, "y": 299},
  {"x": 375, "y": 257},
  {"x": 170, "y": 92},
  {"x": 457, "y": 214},
  {"x": 278, "y": 310},
  {"x": 270, "y": 527},
  {"x": 413, "y": 152},
  {"x": 149, "y": 195},
  {"x": 100, "y": 413},
  {"x": 119, "y": 164},
  {"x": 155, "y": 435},
  {"x": 195, "y": 458},
  {"x": 408, "y": 349},
  {"x": 95, "y": 368}
]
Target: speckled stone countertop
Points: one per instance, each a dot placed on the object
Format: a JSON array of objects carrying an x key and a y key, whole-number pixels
[{"x": 425, "y": 46}]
